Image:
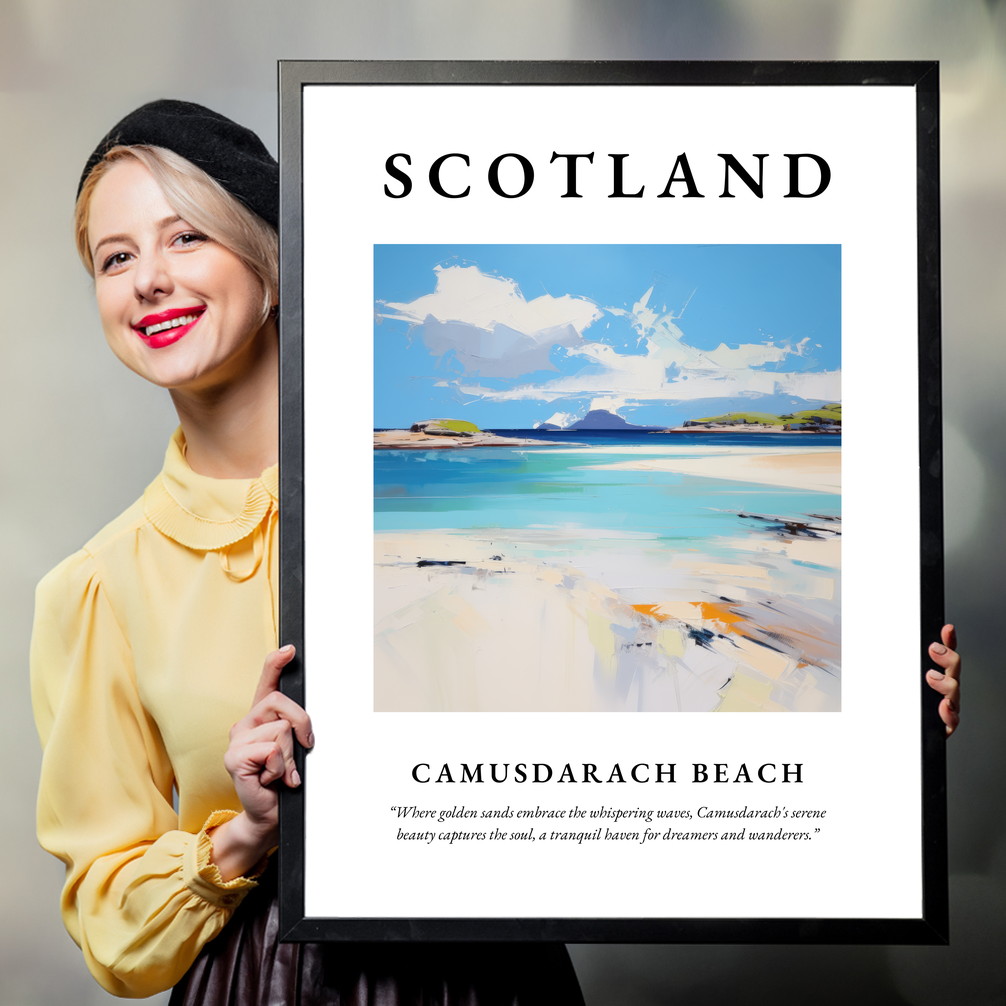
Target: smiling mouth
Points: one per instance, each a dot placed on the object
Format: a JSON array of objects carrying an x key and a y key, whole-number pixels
[
  {"x": 185, "y": 319},
  {"x": 167, "y": 327},
  {"x": 165, "y": 324}
]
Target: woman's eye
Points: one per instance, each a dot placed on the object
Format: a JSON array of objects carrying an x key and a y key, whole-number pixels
[
  {"x": 190, "y": 238},
  {"x": 114, "y": 261}
]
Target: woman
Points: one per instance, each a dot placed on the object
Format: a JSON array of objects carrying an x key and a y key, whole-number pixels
[{"x": 148, "y": 643}]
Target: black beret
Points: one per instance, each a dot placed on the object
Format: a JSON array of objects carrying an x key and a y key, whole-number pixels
[{"x": 230, "y": 154}]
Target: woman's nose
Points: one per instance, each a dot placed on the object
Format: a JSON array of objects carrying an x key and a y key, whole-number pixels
[{"x": 152, "y": 277}]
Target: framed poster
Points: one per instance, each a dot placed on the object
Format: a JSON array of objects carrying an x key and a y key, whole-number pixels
[{"x": 611, "y": 617}]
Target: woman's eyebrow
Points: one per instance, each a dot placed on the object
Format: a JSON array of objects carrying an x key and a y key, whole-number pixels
[
  {"x": 109, "y": 240},
  {"x": 160, "y": 225}
]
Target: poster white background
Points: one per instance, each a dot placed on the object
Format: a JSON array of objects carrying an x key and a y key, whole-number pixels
[{"x": 862, "y": 765}]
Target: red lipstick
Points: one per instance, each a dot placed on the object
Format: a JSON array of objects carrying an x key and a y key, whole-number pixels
[{"x": 166, "y": 328}]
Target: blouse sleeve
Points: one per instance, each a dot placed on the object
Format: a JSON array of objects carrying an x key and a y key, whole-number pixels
[{"x": 141, "y": 898}]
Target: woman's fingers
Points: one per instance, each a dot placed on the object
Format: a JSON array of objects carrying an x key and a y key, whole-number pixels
[
  {"x": 270, "y": 703},
  {"x": 946, "y": 681},
  {"x": 261, "y": 749},
  {"x": 274, "y": 766},
  {"x": 278, "y": 735},
  {"x": 949, "y": 712},
  {"x": 277, "y": 706},
  {"x": 271, "y": 671},
  {"x": 949, "y": 636},
  {"x": 949, "y": 688},
  {"x": 259, "y": 760},
  {"x": 949, "y": 660}
]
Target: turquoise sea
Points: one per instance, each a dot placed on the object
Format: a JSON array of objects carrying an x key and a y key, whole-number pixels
[{"x": 546, "y": 486}]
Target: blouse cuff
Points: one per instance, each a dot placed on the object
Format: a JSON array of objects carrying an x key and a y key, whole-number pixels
[{"x": 202, "y": 876}]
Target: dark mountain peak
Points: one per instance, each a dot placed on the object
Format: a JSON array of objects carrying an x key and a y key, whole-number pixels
[{"x": 602, "y": 419}]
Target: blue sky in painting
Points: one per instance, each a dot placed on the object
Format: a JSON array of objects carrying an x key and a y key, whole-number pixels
[{"x": 508, "y": 336}]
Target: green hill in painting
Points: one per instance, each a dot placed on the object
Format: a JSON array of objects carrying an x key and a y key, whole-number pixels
[
  {"x": 830, "y": 414},
  {"x": 445, "y": 427}
]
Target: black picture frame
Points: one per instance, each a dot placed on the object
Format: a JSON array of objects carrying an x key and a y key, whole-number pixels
[{"x": 932, "y": 925}]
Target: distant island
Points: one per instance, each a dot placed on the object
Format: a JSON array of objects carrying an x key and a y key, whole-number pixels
[
  {"x": 826, "y": 419},
  {"x": 438, "y": 434},
  {"x": 602, "y": 419}
]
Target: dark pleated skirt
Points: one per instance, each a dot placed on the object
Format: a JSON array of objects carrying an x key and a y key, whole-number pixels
[{"x": 246, "y": 965}]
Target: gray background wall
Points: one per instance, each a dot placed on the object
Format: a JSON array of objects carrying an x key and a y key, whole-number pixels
[{"x": 82, "y": 436}]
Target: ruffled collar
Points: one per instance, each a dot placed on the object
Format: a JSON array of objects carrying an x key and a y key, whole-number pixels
[{"x": 203, "y": 513}]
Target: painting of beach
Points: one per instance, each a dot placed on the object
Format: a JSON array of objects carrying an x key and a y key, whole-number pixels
[{"x": 607, "y": 478}]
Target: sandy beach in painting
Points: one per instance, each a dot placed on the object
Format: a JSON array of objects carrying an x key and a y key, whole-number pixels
[
  {"x": 572, "y": 618},
  {"x": 820, "y": 470}
]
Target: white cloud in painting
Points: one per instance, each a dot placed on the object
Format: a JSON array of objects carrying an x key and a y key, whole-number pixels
[
  {"x": 481, "y": 326},
  {"x": 610, "y": 403},
  {"x": 488, "y": 327},
  {"x": 672, "y": 371},
  {"x": 562, "y": 419}
]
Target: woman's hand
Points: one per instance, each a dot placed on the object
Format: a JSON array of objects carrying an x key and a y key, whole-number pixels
[
  {"x": 947, "y": 682},
  {"x": 260, "y": 753}
]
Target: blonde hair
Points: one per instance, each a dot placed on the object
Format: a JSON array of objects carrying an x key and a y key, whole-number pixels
[{"x": 199, "y": 200}]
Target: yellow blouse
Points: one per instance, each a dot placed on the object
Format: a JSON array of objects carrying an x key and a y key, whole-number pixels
[{"x": 147, "y": 647}]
